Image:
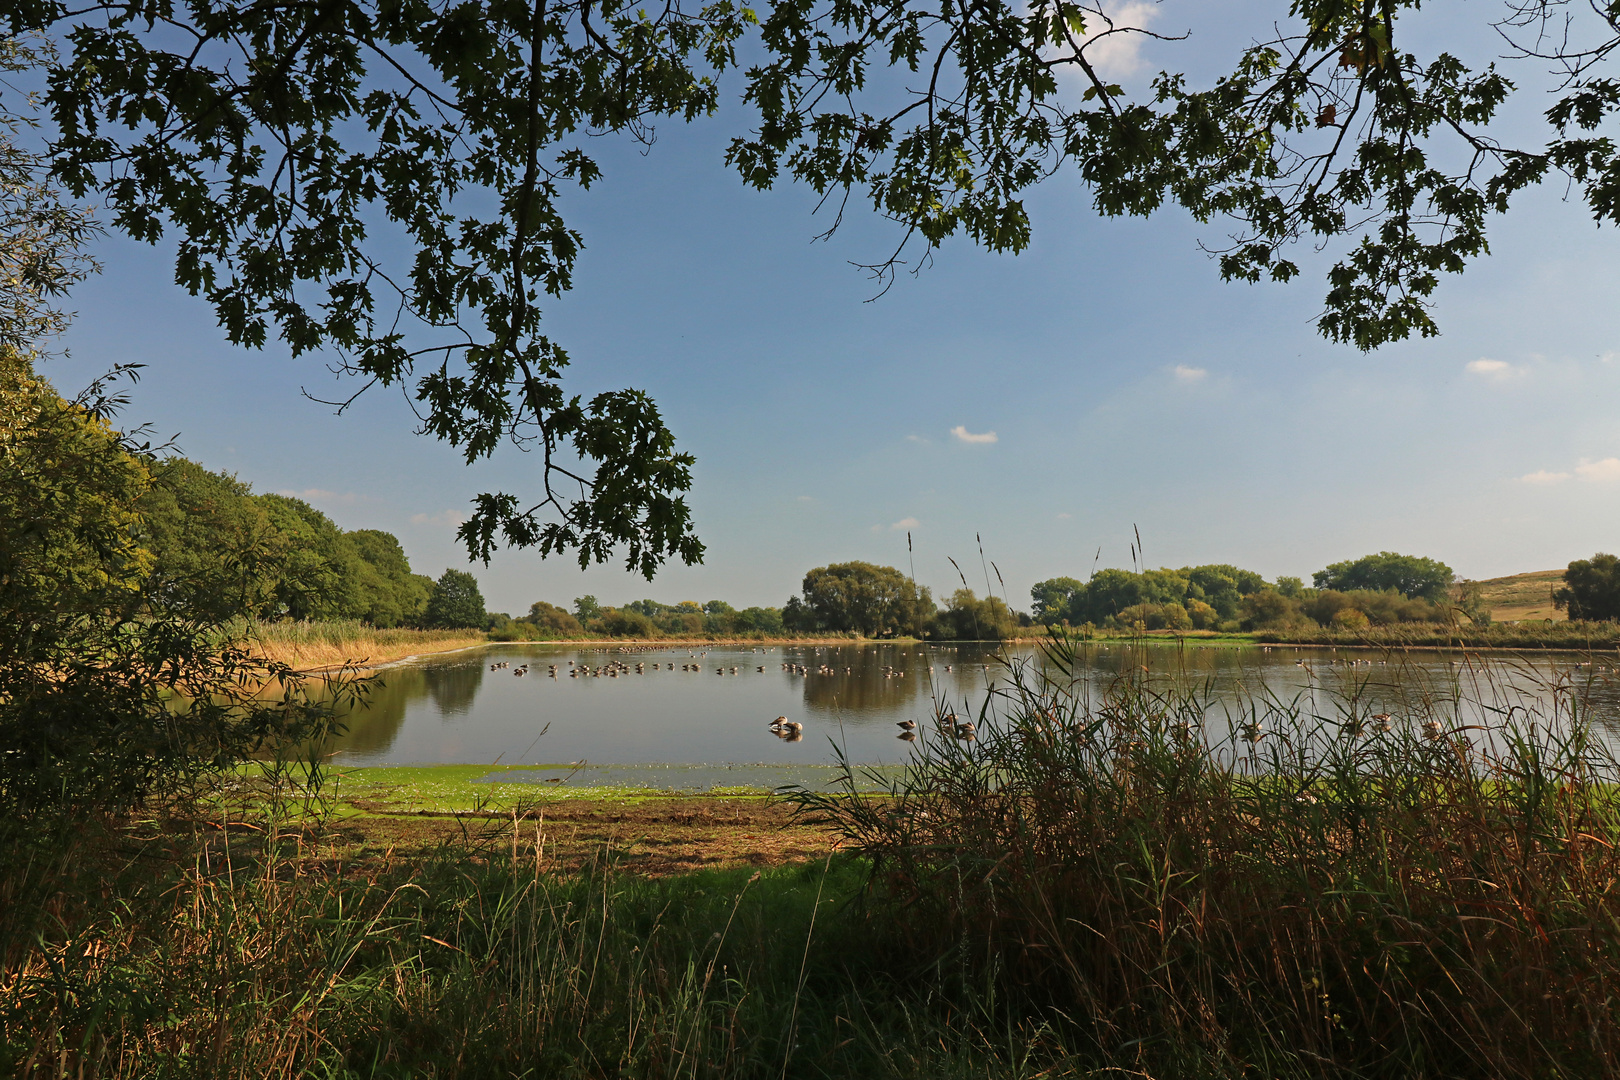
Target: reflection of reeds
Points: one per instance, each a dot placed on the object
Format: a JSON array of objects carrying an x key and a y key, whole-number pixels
[{"x": 1315, "y": 889}]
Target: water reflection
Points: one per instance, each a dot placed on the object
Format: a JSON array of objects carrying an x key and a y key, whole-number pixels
[{"x": 716, "y": 705}]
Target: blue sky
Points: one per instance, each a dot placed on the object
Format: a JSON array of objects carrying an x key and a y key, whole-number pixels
[{"x": 1122, "y": 382}]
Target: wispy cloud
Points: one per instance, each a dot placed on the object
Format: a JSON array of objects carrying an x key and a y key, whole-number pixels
[
  {"x": 804, "y": 498},
  {"x": 1118, "y": 55},
  {"x": 443, "y": 517},
  {"x": 917, "y": 439},
  {"x": 1494, "y": 370},
  {"x": 1065, "y": 517},
  {"x": 967, "y": 436},
  {"x": 1604, "y": 471},
  {"x": 904, "y": 523},
  {"x": 1186, "y": 374}
]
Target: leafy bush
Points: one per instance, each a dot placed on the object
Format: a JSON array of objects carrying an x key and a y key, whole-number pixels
[{"x": 107, "y": 694}]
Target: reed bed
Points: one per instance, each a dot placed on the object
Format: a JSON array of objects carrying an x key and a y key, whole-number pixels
[
  {"x": 304, "y": 644},
  {"x": 1299, "y": 888},
  {"x": 1574, "y": 635}
]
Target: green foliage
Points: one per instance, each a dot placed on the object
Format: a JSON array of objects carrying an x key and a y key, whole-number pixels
[
  {"x": 1050, "y": 600},
  {"x": 586, "y": 608},
  {"x": 455, "y": 601},
  {"x": 1409, "y": 575},
  {"x": 1269, "y": 609},
  {"x": 1380, "y": 608},
  {"x": 553, "y": 621},
  {"x": 106, "y": 694},
  {"x": 967, "y": 618},
  {"x": 219, "y": 551},
  {"x": 1591, "y": 589},
  {"x": 1110, "y": 593},
  {"x": 874, "y": 601}
]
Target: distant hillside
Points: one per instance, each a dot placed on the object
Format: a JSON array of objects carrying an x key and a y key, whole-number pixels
[{"x": 1524, "y": 596}]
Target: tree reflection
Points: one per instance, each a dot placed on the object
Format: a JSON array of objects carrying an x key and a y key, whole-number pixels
[{"x": 453, "y": 688}]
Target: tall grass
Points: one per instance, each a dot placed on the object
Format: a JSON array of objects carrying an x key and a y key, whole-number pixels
[
  {"x": 474, "y": 962},
  {"x": 1305, "y": 890},
  {"x": 1575, "y": 635},
  {"x": 331, "y": 642}
]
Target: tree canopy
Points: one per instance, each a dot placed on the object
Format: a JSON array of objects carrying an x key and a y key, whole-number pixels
[
  {"x": 455, "y": 601},
  {"x": 1410, "y": 575},
  {"x": 1591, "y": 588},
  {"x": 867, "y": 599},
  {"x": 383, "y": 181}
]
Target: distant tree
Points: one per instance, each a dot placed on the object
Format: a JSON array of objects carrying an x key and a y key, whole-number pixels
[
  {"x": 392, "y": 595},
  {"x": 1202, "y": 615},
  {"x": 1470, "y": 601},
  {"x": 215, "y": 552},
  {"x": 1107, "y": 594},
  {"x": 455, "y": 601},
  {"x": 967, "y": 618},
  {"x": 1050, "y": 600},
  {"x": 321, "y": 572},
  {"x": 797, "y": 616},
  {"x": 1350, "y": 619},
  {"x": 1409, "y": 575},
  {"x": 553, "y": 621},
  {"x": 1291, "y": 587},
  {"x": 1221, "y": 586},
  {"x": 586, "y": 608},
  {"x": 1591, "y": 589},
  {"x": 621, "y": 622},
  {"x": 650, "y": 608},
  {"x": 1269, "y": 609},
  {"x": 868, "y": 599},
  {"x": 760, "y": 620}
]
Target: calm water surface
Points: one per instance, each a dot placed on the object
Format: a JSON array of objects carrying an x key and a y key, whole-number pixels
[{"x": 455, "y": 709}]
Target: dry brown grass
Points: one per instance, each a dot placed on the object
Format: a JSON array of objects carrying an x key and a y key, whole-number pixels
[
  {"x": 1524, "y": 596},
  {"x": 313, "y": 646}
]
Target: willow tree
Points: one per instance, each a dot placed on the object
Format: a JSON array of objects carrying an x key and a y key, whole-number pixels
[{"x": 381, "y": 179}]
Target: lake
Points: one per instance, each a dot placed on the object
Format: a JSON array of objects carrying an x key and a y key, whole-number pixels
[{"x": 712, "y": 705}]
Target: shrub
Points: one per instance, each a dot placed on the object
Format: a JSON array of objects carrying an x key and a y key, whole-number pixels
[{"x": 1350, "y": 619}]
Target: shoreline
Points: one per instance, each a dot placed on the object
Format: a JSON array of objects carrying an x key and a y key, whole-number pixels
[{"x": 417, "y": 652}]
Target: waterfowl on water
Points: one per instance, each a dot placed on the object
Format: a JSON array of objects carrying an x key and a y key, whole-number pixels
[{"x": 906, "y": 725}]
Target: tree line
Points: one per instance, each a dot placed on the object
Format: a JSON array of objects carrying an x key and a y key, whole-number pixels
[{"x": 1373, "y": 590}]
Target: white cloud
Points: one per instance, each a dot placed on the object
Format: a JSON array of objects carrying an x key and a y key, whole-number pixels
[
  {"x": 917, "y": 439},
  {"x": 1186, "y": 374},
  {"x": 443, "y": 517},
  {"x": 1118, "y": 55},
  {"x": 1542, "y": 476},
  {"x": 969, "y": 437},
  {"x": 1495, "y": 370},
  {"x": 805, "y": 498},
  {"x": 904, "y": 523},
  {"x": 1606, "y": 470},
  {"x": 1065, "y": 517}
]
